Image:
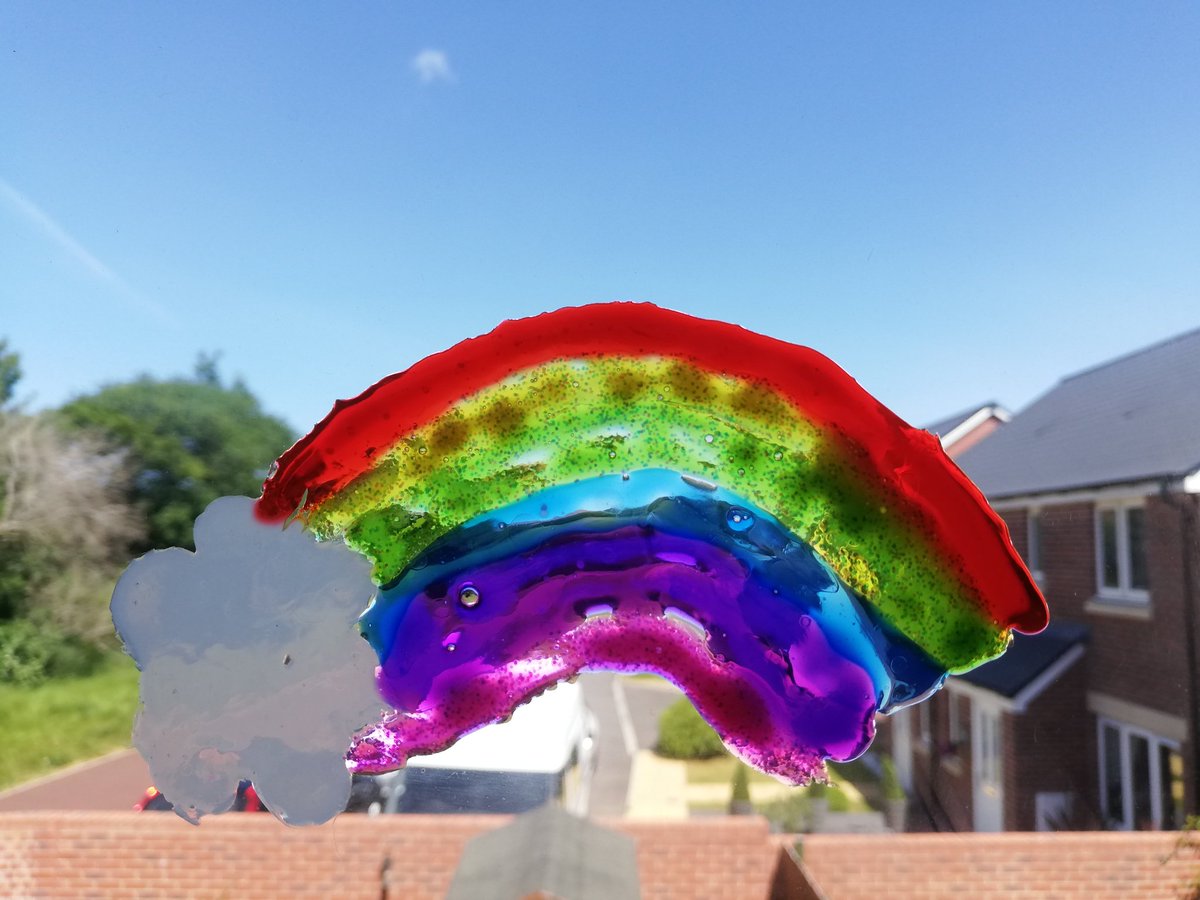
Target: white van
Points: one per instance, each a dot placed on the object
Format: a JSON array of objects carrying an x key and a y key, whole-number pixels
[{"x": 546, "y": 751}]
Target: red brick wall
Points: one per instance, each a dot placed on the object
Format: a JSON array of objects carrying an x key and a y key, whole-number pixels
[
  {"x": 45, "y": 855},
  {"x": 1018, "y": 530},
  {"x": 1066, "y": 865},
  {"x": 950, "y": 766},
  {"x": 1142, "y": 661},
  {"x": 1048, "y": 750},
  {"x": 1145, "y": 661},
  {"x": 1052, "y": 746}
]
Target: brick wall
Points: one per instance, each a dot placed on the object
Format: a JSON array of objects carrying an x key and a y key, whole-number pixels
[
  {"x": 1068, "y": 554},
  {"x": 942, "y": 771},
  {"x": 46, "y": 855},
  {"x": 1051, "y": 748},
  {"x": 1089, "y": 866},
  {"x": 1139, "y": 660},
  {"x": 1144, "y": 661}
]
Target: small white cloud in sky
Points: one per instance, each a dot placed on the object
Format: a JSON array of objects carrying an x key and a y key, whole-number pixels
[
  {"x": 432, "y": 65},
  {"x": 252, "y": 664}
]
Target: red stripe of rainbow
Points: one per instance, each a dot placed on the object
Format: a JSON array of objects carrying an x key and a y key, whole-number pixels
[{"x": 902, "y": 464}]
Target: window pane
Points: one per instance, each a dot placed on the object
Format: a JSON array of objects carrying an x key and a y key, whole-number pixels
[
  {"x": 1139, "y": 772},
  {"x": 956, "y": 730},
  {"x": 1108, "y": 548},
  {"x": 1137, "y": 549},
  {"x": 1170, "y": 767},
  {"x": 1114, "y": 801}
]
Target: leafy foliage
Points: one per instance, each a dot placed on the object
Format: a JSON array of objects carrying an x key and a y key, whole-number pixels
[
  {"x": 95, "y": 712},
  {"x": 187, "y": 441},
  {"x": 741, "y": 784},
  {"x": 29, "y": 654},
  {"x": 683, "y": 734},
  {"x": 892, "y": 789},
  {"x": 10, "y": 373},
  {"x": 64, "y": 529},
  {"x": 24, "y": 564}
]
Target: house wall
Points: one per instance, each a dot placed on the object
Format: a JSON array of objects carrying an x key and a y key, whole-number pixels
[
  {"x": 1142, "y": 660},
  {"x": 126, "y": 854},
  {"x": 1145, "y": 661},
  {"x": 1136, "y": 660},
  {"x": 1046, "y": 749},
  {"x": 942, "y": 771},
  {"x": 1086, "y": 866}
]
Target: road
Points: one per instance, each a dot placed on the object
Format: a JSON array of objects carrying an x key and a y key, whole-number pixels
[
  {"x": 627, "y": 710},
  {"x": 114, "y": 781}
]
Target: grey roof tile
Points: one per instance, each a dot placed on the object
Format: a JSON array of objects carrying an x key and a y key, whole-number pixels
[
  {"x": 1134, "y": 418},
  {"x": 1027, "y": 657}
]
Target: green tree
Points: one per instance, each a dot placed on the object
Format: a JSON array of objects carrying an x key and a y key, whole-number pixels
[
  {"x": 65, "y": 528},
  {"x": 187, "y": 442},
  {"x": 10, "y": 373}
]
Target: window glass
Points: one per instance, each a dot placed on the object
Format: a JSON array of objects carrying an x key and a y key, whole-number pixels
[
  {"x": 1138, "y": 577},
  {"x": 1114, "y": 800},
  {"x": 1108, "y": 548},
  {"x": 1139, "y": 774},
  {"x": 1170, "y": 768},
  {"x": 989, "y": 747},
  {"x": 955, "y": 721}
]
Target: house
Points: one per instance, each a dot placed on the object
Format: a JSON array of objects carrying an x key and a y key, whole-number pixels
[
  {"x": 962, "y": 431},
  {"x": 1092, "y": 722}
]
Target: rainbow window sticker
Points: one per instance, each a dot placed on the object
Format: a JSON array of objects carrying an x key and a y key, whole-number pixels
[{"x": 614, "y": 486}]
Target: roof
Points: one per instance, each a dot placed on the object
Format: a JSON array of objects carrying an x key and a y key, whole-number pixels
[
  {"x": 965, "y": 427},
  {"x": 1136, "y": 418},
  {"x": 945, "y": 426},
  {"x": 547, "y": 850},
  {"x": 1028, "y": 657}
]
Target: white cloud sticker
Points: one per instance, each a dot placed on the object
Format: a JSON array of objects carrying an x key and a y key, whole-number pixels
[{"x": 252, "y": 664}]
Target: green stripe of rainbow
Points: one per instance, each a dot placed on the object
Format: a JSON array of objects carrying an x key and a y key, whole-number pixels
[{"x": 563, "y": 420}]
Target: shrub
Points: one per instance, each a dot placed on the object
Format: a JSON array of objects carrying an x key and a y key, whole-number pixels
[
  {"x": 741, "y": 784},
  {"x": 29, "y": 654},
  {"x": 683, "y": 734},
  {"x": 790, "y": 814},
  {"x": 892, "y": 789}
]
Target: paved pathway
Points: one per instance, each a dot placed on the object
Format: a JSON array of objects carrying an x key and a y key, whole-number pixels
[
  {"x": 627, "y": 710},
  {"x": 114, "y": 781}
]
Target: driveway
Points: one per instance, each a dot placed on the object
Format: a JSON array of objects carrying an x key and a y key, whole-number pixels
[{"x": 627, "y": 710}]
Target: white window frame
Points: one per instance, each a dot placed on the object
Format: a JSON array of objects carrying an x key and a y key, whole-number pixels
[
  {"x": 1033, "y": 543},
  {"x": 955, "y": 726},
  {"x": 1155, "y": 742},
  {"x": 1124, "y": 590}
]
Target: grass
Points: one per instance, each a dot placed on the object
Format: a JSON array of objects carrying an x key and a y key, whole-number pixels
[
  {"x": 720, "y": 771},
  {"x": 66, "y": 720}
]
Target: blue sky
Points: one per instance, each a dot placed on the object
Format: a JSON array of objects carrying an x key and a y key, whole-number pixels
[{"x": 957, "y": 202}]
